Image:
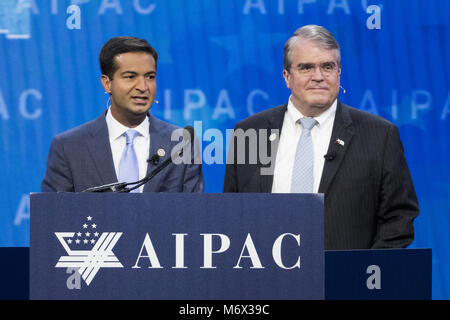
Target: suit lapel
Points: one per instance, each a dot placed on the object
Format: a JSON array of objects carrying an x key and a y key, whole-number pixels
[
  {"x": 274, "y": 123},
  {"x": 159, "y": 139},
  {"x": 100, "y": 150},
  {"x": 341, "y": 137}
]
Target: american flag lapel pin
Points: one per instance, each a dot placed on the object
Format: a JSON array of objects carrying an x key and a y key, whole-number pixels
[{"x": 340, "y": 142}]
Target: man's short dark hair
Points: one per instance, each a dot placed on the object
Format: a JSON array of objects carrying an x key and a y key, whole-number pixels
[{"x": 119, "y": 45}]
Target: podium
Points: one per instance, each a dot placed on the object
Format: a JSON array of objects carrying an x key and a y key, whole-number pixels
[
  {"x": 176, "y": 246},
  {"x": 206, "y": 247}
]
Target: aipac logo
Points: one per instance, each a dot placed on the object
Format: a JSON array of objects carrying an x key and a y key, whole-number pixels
[{"x": 88, "y": 250}]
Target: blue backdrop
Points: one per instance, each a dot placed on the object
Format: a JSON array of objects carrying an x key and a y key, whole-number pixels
[{"x": 221, "y": 61}]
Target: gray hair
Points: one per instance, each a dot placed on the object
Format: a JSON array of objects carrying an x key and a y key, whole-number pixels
[{"x": 315, "y": 33}]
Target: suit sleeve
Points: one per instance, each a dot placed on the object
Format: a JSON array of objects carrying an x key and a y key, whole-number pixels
[
  {"x": 193, "y": 179},
  {"x": 230, "y": 180},
  {"x": 229, "y": 184},
  {"x": 398, "y": 202},
  {"x": 58, "y": 176}
]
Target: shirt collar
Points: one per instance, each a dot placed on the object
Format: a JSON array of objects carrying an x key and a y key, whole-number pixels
[
  {"x": 116, "y": 129},
  {"x": 295, "y": 114}
]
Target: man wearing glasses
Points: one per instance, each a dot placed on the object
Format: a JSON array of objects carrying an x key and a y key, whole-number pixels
[{"x": 324, "y": 146}]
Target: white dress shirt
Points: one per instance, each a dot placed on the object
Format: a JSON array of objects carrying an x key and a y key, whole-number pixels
[
  {"x": 290, "y": 134},
  {"x": 117, "y": 141}
]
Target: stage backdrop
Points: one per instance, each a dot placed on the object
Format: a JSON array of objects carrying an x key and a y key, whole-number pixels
[{"x": 221, "y": 61}]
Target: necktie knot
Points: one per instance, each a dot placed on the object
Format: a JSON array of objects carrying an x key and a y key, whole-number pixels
[
  {"x": 130, "y": 135},
  {"x": 308, "y": 123}
]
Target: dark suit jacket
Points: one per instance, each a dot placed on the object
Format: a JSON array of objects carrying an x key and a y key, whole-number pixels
[
  {"x": 370, "y": 200},
  {"x": 81, "y": 158}
]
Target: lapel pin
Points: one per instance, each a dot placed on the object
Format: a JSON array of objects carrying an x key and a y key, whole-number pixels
[
  {"x": 272, "y": 137},
  {"x": 161, "y": 152},
  {"x": 340, "y": 142}
]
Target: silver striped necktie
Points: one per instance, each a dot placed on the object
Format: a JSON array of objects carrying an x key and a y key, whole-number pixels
[{"x": 302, "y": 173}]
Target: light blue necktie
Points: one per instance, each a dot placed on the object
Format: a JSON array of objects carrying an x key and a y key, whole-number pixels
[
  {"x": 129, "y": 167},
  {"x": 302, "y": 173}
]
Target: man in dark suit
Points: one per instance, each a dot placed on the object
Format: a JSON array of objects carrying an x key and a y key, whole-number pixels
[
  {"x": 318, "y": 144},
  {"x": 120, "y": 144}
]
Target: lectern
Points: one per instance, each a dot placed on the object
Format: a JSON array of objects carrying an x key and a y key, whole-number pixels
[
  {"x": 199, "y": 247},
  {"x": 176, "y": 246}
]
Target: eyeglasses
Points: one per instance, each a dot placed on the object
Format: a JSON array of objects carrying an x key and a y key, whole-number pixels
[{"x": 326, "y": 68}]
